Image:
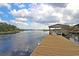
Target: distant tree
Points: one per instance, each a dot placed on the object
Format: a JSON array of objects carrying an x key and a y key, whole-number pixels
[
  {"x": 4, "y": 27},
  {"x": 77, "y": 25}
]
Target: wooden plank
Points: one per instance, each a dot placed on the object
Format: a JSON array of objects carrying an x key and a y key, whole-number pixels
[{"x": 56, "y": 45}]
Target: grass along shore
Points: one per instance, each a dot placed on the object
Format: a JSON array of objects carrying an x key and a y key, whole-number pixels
[{"x": 10, "y": 32}]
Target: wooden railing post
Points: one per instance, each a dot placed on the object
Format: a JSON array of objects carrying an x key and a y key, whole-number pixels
[{"x": 49, "y": 31}]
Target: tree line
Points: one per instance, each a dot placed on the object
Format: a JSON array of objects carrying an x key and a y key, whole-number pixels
[{"x": 4, "y": 27}]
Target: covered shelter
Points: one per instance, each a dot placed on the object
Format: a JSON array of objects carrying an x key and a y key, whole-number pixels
[{"x": 55, "y": 29}]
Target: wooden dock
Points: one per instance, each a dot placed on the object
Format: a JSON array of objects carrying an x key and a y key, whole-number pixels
[{"x": 56, "y": 45}]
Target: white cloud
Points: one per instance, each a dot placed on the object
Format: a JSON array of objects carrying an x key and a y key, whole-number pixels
[
  {"x": 73, "y": 6},
  {"x": 19, "y": 24},
  {"x": 38, "y": 12},
  {"x": 20, "y": 13},
  {"x": 70, "y": 14},
  {"x": 21, "y": 19},
  {"x": 35, "y": 25},
  {"x": 25, "y": 25},
  {"x": 43, "y": 15},
  {"x": 3, "y": 21},
  {"x": 21, "y": 6},
  {"x": 5, "y": 5},
  {"x": 1, "y": 13}
]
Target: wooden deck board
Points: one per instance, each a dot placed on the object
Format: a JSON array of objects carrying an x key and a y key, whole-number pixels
[{"x": 55, "y": 45}]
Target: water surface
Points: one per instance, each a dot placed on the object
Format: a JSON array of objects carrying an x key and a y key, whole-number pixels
[
  {"x": 75, "y": 39},
  {"x": 22, "y": 43}
]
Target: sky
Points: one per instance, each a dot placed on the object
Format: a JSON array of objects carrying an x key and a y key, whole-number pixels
[{"x": 39, "y": 15}]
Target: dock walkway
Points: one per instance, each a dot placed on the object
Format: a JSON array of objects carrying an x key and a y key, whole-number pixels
[{"x": 56, "y": 45}]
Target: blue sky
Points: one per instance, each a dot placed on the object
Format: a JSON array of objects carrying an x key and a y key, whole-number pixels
[
  {"x": 39, "y": 15},
  {"x": 6, "y": 15}
]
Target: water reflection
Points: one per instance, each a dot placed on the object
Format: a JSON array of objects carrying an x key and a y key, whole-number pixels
[
  {"x": 75, "y": 38},
  {"x": 22, "y": 52},
  {"x": 22, "y": 43},
  {"x": 5, "y": 44}
]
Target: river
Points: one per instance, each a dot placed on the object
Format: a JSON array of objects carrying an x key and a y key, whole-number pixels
[
  {"x": 75, "y": 39},
  {"x": 20, "y": 44},
  {"x": 23, "y": 43}
]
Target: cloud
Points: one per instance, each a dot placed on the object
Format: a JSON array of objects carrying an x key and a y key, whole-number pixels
[
  {"x": 21, "y": 5},
  {"x": 5, "y": 5},
  {"x": 1, "y": 14},
  {"x": 25, "y": 25},
  {"x": 71, "y": 13},
  {"x": 19, "y": 24},
  {"x": 74, "y": 18},
  {"x": 3, "y": 21},
  {"x": 60, "y": 5},
  {"x": 21, "y": 19},
  {"x": 40, "y": 13},
  {"x": 73, "y": 6},
  {"x": 20, "y": 13},
  {"x": 43, "y": 15},
  {"x": 38, "y": 25}
]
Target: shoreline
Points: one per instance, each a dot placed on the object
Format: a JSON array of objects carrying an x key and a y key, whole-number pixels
[{"x": 9, "y": 32}]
